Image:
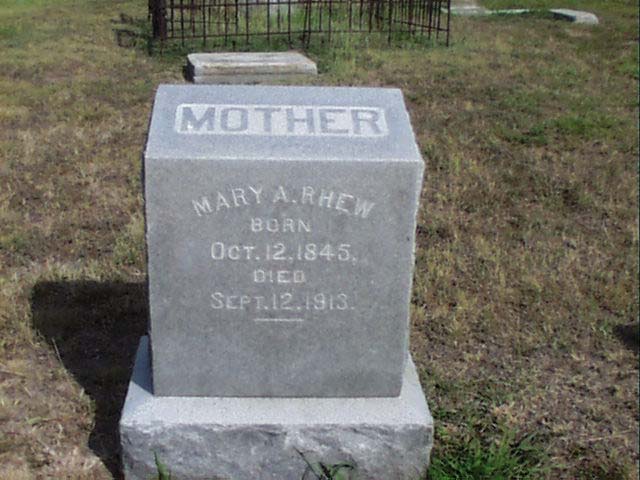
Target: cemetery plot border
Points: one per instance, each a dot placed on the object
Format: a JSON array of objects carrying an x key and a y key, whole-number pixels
[{"x": 229, "y": 22}]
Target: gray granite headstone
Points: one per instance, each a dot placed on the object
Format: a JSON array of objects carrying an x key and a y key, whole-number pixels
[{"x": 280, "y": 231}]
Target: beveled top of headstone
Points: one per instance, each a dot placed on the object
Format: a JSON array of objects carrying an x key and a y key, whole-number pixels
[{"x": 280, "y": 123}]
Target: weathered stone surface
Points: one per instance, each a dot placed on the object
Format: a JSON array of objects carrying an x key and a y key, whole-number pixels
[
  {"x": 280, "y": 231},
  {"x": 468, "y": 10},
  {"x": 249, "y": 67},
  {"x": 257, "y": 438},
  {"x": 256, "y": 79},
  {"x": 576, "y": 16},
  {"x": 511, "y": 11}
]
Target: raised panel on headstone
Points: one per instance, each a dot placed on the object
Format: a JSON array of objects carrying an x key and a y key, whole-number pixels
[{"x": 280, "y": 231}]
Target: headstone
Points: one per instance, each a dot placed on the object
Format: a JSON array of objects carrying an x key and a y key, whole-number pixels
[
  {"x": 280, "y": 233},
  {"x": 249, "y": 67},
  {"x": 469, "y": 10},
  {"x": 576, "y": 16},
  {"x": 280, "y": 227}
]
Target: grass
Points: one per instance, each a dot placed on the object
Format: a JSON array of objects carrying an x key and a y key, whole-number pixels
[
  {"x": 504, "y": 459},
  {"x": 524, "y": 309},
  {"x": 163, "y": 471},
  {"x": 326, "y": 471}
]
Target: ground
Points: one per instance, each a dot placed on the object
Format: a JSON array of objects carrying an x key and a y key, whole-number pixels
[{"x": 524, "y": 309}]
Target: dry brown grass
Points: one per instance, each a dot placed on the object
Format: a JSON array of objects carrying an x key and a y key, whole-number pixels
[{"x": 525, "y": 300}]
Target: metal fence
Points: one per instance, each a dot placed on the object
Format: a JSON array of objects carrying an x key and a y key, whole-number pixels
[{"x": 297, "y": 21}]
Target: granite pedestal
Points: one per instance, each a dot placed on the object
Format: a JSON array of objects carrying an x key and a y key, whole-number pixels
[{"x": 259, "y": 438}]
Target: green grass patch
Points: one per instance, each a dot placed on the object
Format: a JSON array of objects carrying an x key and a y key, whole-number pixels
[
  {"x": 578, "y": 126},
  {"x": 505, "y": 458}
]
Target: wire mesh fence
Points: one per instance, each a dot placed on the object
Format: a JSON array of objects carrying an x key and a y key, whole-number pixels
[{"x": 221, "y": 22}]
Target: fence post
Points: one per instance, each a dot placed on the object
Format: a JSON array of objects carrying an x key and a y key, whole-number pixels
[
  {"x": 235, "y": 19},
  {"x": 158, "y": 18}
]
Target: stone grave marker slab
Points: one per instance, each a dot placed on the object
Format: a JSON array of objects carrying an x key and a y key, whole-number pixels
[
  {"x": 249, "y": 67},
  {"x": 280, "y": 232}
]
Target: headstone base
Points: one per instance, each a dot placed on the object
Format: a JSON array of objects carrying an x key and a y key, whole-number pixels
[{"x": 263, "y": 438}]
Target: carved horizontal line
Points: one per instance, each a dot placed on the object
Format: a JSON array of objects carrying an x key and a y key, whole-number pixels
[{"x": 278, "y": 319}]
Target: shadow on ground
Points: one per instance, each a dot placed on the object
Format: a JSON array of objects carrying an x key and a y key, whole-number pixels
[
  {"x": 95, "y": 327},
  {"x": 629, "y": 335}
]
